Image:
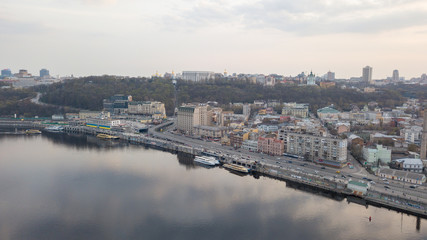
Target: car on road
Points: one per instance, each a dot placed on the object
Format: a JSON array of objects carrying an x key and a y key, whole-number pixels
[
  {"x": 372, "y": 182},
  {"x": 289, "y": 161},
  {"x": 323, "y": 168},
  {"x": 387, "y": 187},
  {"x": 349, "y": 175},
  {"x": 413, "y": 186},
  {"x": 387, "y": 182}
]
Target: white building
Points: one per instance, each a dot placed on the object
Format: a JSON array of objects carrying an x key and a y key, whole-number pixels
[
  {"x": 411, "y": 164},
  {"x": 250, "y": 145},
  {"x": 268, "y": 128},
  {"x": 412, "y": 134},
  {"x": 380, "y": 153},
  {"x": 197, "y": 76}
]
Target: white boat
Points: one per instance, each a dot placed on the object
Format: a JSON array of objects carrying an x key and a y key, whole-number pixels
[
  {"x": 210, "y": 161},
  {"x": 54, "y": 128}
]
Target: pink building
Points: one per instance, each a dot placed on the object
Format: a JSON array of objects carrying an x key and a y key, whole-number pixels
[{"x": 271, "y": 145}]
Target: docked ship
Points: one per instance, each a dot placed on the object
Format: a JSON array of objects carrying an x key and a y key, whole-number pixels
[
  {"x": 54, "y": 129},
  {"x": 236, "y": 168},
  {"x": 210, "y": 161},
  {"x": 106, "y": 136},
  {"x": 32, "y": 131}
]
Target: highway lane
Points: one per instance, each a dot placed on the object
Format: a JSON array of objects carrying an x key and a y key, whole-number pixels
[{"x": 359, "y": 174}]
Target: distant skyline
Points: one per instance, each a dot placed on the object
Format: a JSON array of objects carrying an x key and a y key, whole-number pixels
[{"x": 138, "y": 38}]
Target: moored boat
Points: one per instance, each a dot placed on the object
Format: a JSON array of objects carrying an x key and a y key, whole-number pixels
[
  {"x": 236, "y": 168},
  {"x": 54, "y": 129},
  {"x": 210, "y": 161},
  {"x": 32, "y": 131},
  {"x": 106, "y": 136}
]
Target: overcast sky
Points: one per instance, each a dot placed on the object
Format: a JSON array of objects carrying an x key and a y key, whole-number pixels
[{"x": 140, "y": 37}]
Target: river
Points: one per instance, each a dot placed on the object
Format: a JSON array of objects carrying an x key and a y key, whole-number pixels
[{"x": 55, "y": 186}]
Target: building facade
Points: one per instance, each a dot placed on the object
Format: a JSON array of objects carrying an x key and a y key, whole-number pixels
[
  {"x": 146, "y": 108},
  {"x": 117, "y": 104},
  {"x": 189, "y": 116},
  {"x": 295, "y": 109},
  {"x": 197, "y": 76},
  {"x": 317, "y": 148},
  {"x": 270, "y": 145},
  {"x": 250, "y": 145},
  {"x": 210, "y": 131}
]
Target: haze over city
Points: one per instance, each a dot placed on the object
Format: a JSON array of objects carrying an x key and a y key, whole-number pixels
[{"x": 94, "y": 37}]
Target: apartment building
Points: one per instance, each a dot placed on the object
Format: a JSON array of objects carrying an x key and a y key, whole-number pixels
[{"x": 317, "y": 148}]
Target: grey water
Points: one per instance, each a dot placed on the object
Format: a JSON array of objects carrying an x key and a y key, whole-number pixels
[{"x": 56, "y": 186}]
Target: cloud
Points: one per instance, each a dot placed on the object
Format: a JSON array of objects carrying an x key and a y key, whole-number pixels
[
  {"x": 307, "y": 17},
  {"x": 12, "y": 27}
]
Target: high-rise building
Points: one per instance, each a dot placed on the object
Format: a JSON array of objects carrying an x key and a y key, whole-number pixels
[
  {"x": 189, "y": 116},
  {"x": 330, "y": 76},
  {"x": 44, "y": 73},
  {"x": 367, "y": 75},
  {"x": 395, "y": 77},
  {"x": 6, "y": 73},
  {"x": 246, "y": 110}
]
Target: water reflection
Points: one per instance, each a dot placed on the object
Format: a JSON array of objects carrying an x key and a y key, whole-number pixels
[{"x": 54, "y": 191}]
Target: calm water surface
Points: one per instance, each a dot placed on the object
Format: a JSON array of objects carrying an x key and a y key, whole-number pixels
[{"x": 63, "y": 187}]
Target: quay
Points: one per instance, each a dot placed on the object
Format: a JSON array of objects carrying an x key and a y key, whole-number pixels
[{"x": 258, "y": 167}]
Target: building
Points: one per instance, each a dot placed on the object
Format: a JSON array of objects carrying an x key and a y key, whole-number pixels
[
  {"x": 358, "y": 188},
  {"x": 237, "y": 138},
  {"x": 367, "y": 75},
  {"x": 44, "y": 73},
  {"x": 327, "y": 84},
  {"x": 328, "y": 113},
  {"x": 395, "y": 77},
  {"x": 146, "y": 108},
  {"x": 191, "y": 115},
  {"x": 410, "y": 164},
  {"x": 270, "y": 145},
  {"x": 250, "y": 145},
  {"x": 423, "y": 150},
  {"x": 23, "y": 74},
  {"x": 117, "y": 104},
  {"x": 330, "y": 76},
  {"x": 403, "y": 176},
  {"x": 6, "y": 73},
  {"x": 311, "y": 79},
  {"x": 268, "y": 128},
  {"x": 197, "y": 76},
  {"x": 412, "y": 134},
  {"x": 93, "y": 114},
  {"x": 246, "y": 110},
  {"x": 332, "y": 151},
  {"x": 295, "y": 109},
  {"x": 343, "y": 127},
  {"x": 102, "y": 123},
  {"x": 210, "y": 131},
  {"x": 379, "y": 153}
]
